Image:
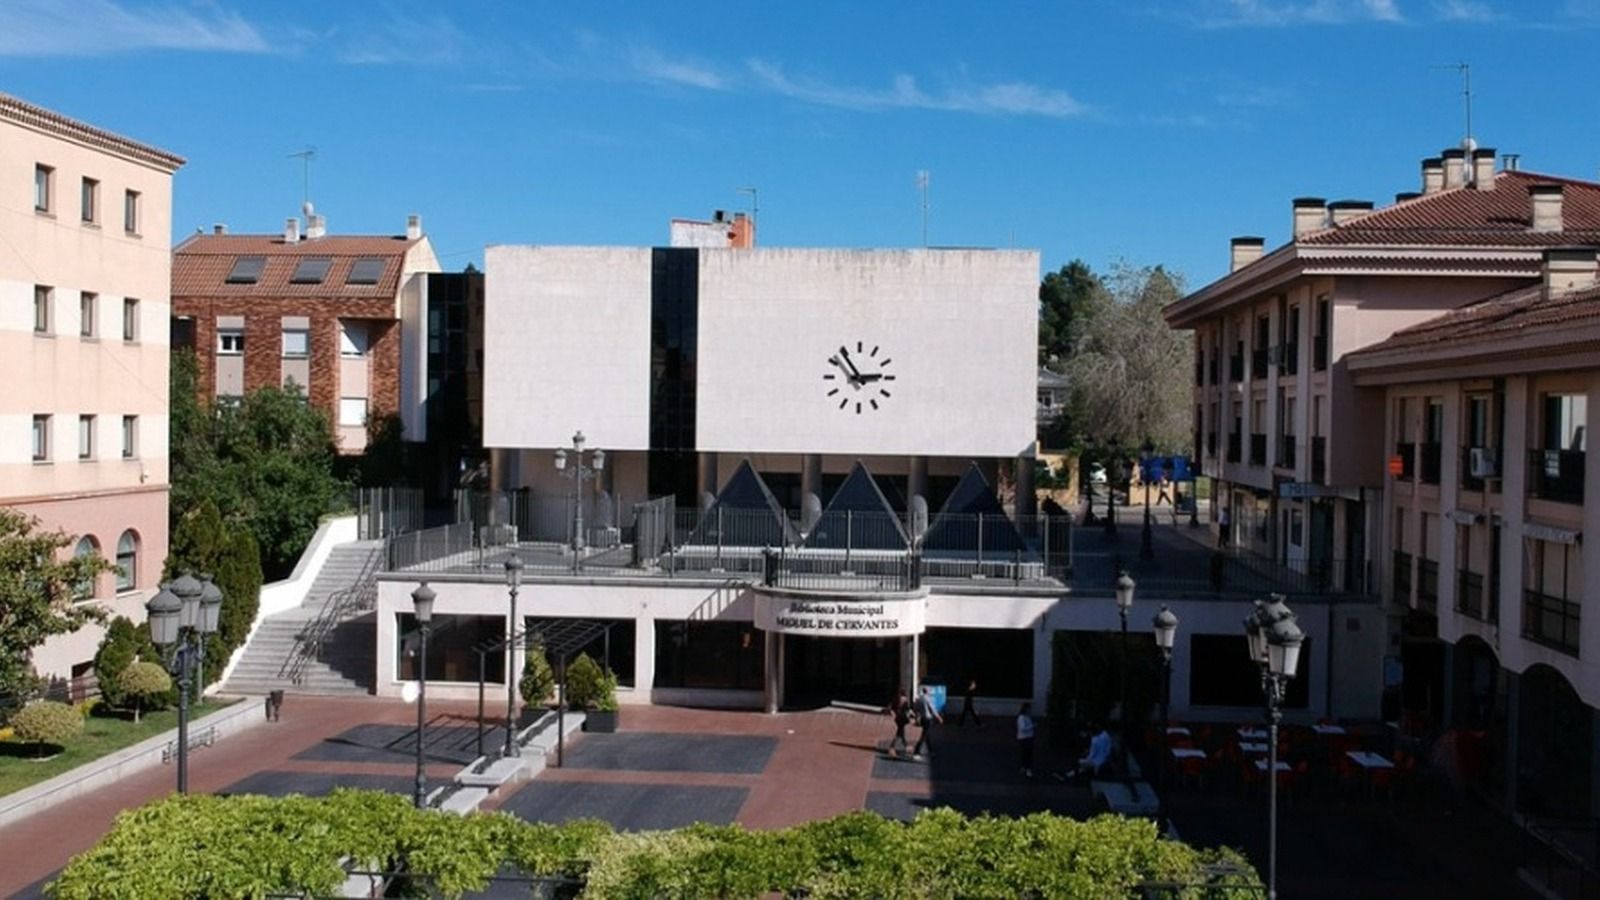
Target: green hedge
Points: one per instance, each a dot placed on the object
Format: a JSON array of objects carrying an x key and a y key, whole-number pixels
[{"x": 204, "y": 846}]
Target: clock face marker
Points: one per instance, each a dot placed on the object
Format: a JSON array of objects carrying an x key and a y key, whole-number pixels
[
  {"x": 829, "y": 377},
  {"x": 858, "y": 407},
  {"x": 888, "y": 378},
  {"x": 858, "y": 346},
  {"x": 874, "y": 403},
  {"x": 832, "y": 392},
  {"x": 843, "y": 403},
  {"x": 886, "y": 361},
  {"x": 884, "y": 392},
  {"x": 874, "y": 350}
]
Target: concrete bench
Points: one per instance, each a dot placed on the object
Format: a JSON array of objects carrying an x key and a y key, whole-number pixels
[{"x": 1137, "y": 799}]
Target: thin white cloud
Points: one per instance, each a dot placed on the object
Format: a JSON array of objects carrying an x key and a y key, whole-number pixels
[
  {"x": 402, "y": 39},
  {"x": 1278, "y": 13},
  {"x": 1006, "y": 98},
  {"x": 1249, "y": 97},
  {"x": 652, "y": 65},
  {"x": 106, "y": 27},
  {"x": 1464, "y": 11}
]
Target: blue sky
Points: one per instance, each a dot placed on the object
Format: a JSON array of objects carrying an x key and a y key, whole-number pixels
[{"x": 1137, "y": 130}]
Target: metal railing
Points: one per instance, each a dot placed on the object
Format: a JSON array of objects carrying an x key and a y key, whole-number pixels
[
  {"x": 1258, "y": 449},
  {"x": 1556, "y": 475},
  {"x": 1319, "y": 460},
  {"x": 1286, "y": 448},
  {"x": 1428, "y": 585},
  {"x": 1429, "y": 461},
  {"x": 1560, "y": 857},
  {"x": 385, "y": 511},
  {"x": 1469, "y": 595},
  {"x": 1241, "y": 575},
  {"x": 1289, "y": 358},
  {"x": 831, "y": 570},
  {"x": 1319, "y": 353},
  {"x": 1258, "y": 363},
  {"x": 340, "y": 605},
  {"x": 1401, "y": 577},
  {"x": 1552, "y": 621},
  {"x": 1236, "y": 369},
  {"x": 413, "y": 550}
]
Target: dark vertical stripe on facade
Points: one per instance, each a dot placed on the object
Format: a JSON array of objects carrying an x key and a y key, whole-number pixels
[{"x": 674, "y": 343}]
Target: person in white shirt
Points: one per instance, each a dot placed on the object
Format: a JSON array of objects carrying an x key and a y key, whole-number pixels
[
  {"x": 1025, "y": 739},
  {"x": 1099, "y": 753},
  {"x": 927, "y": 717}
]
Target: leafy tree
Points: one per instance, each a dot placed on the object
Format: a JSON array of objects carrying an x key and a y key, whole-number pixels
[
  {"x": 145, "y": 683},
  {"x": 1129, "y": 372},
  {"x": 383, "y": 462},
  {"x": 589, "y": 685},
  {"x": 118, "y": 650},
  {"x": 1065, "y": 297},
  {"x": 45, "y": 723},
  {"x": 203, "y": 543},
  {"x": 538, "y": 680},
  {"x": 37, "y": 584}
]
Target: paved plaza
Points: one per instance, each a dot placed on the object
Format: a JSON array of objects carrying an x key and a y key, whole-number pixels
[{"x": 669, "y": 767}]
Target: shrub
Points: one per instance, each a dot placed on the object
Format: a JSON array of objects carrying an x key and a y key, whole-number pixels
[
  {"x": 118, "y": 650},
  {"x": 144, "y": 683},
  {"x": 589, "y": 686},
  {"x": 538, "y": 680},
  {"x": 46, "y": 722}
]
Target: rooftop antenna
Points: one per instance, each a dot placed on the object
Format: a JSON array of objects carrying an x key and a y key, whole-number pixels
[
  {"x": 922, "y": 185},
  {"x": 1465, "y": 70},
  {"x": 305, "y": 156},
  {"x": 755, "y": 208}
]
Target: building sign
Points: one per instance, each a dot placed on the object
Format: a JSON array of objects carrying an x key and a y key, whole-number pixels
[{"x": 825, "y": 616}]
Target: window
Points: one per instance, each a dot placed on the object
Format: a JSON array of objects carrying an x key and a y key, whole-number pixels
[
  {"x": 128, "y": 561},
  {"x": 130, "y": 437},
  {"x": 87, "y": 302},
  {"x": 311, "y": 270},
  {"x": 130, "y": 319},
  {"x": 130, "y": 212},
  {"x": 86, "y": 437},
  {"x": 230, "y": 341},
  {"x": 352, "y": 339},
  {"x": 91, "y": 200},
  {"x": 43, "y": 180},
  {"x": 86, "y": 547},
  {"x": 1221, "y": 673},
  {"x": 352, "y": 411},
  {"x": 41, "y": 438},
  {"x": 246, "y": 270},
  {"x": 1564, "y": 416},
  {"x": 452, "y": 648},
  {"x": 296, "y": 342},
  {"x": 42, "y": 296},
  {"x": 366, "y": 270}
]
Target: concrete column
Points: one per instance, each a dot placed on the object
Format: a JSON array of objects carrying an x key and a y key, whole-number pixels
[
  {"x": 708, "y": 474},
  {"x": 917, "y": 480},
  {"x": 1026, "y": 503},
  {"x": 781, "y": 668},
  {"x": 1513, "y": 512},
  {"x": 1513, "y": 726},
  {"x": 810, "y": 488},
  {"x": 1043, "y": 645},
  {"x": 1589, "y": 625},
  {"x": 1449, "y": 492},
  {"x": 769, "y": 679},
  {"x": 909, "y": 648},
  {"x": 1450, "y": 717},
  {"x": 644, "y": 657}
]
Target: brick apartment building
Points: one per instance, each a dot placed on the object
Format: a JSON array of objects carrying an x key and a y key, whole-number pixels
[{"x": 323, "y": 311}]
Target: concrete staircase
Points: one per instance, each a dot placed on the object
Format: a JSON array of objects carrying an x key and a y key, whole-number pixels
[{"x": 277, "y": 657}]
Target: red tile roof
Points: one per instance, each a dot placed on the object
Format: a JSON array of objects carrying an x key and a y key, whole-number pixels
[
  {"x": 1501, "y": 216},
  {"x": 1500, "y": 317},
  {"x": 200, "y": 265},
  {"x": 38, "y": 118}
]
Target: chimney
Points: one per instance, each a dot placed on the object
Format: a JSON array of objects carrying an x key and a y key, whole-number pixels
[
  {"x": 1567, "y": 268},
  {"x": 219, "y": 228},
  {"x": 413, "y": 227},
  {"x": 1403, "y": 196},
  {"x": 1546, "y": 200},
  {"x": 1483, "y": 168},
  {"x": 742, "y": 234},
  {"x": 1511, "y": 162},
  {"x": 1455, "y": 168},
  {"x": 1432, "y": 175},
  {"x": 291, "y": 230},
  {"x": 1347, "y": 211},
  {"x": 1310, "y": 214},
  {"x": 1242, "y": 251},
  {"x": 316, "y": 226}
]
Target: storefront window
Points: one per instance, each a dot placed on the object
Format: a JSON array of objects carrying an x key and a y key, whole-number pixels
[
  {"x": 620, "y": 645},
  {"x": 709, "y": 655},
  {"x": 453, "y": 643},
  {"x": 1222, "y": 674},
  {"x": 999, "y": 659}
]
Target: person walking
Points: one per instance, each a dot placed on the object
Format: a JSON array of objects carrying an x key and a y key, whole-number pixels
[
  {"x": 900, "y": 711},
  {"x": 967, "y": 709},
  {"x": 927, "y": 717},
  {"x": 1025, "y": 739},
  {"x": 1224, "y": 528}
]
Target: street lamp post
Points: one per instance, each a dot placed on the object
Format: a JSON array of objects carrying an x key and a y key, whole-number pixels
[
  {"x": 1124, "y": 594},
  {"x": 1165, "y": 626},
  {"x": 1147, "y": 549},
  {"x": 1113, "y": 468},
  {"x": 181, "y": 615},
  {"x": 422, "y": 607},
  {"x": 579, "y": 473},
  {"x": 513, "y": 582},
  {"x": 1275, "y": 642}
]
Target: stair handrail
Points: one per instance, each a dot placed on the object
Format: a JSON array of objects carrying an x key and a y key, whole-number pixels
[{"x": 340, "y": 604}]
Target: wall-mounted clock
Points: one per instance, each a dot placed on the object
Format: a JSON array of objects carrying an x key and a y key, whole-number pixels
[{"x": 858, "y": 379}]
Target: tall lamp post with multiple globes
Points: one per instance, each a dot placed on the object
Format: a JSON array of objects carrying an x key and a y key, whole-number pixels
[
  {"x": 422, "y": 608},
  {"x": 579, "y": 473},
  {"x": 182, "y": 614},
  {"x": 1275, "y": 642},
  {"x": 1147, "y": 548},
  {"x": 1165, "y": 626},
  {"x": 1124, "y": 595},
  {"x": 513, "y": 583}
]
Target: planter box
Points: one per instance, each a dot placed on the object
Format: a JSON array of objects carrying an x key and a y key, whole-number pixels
[
  {"x": 529, "y": 715},
  {"x": 603, "y": 722}
]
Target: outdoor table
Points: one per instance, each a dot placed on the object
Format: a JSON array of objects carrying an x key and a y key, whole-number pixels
[
  {"x": 1252, "y": 733},
  {"x": 1328, "y": 729},
  {"x": 1188, "y": 753},
  {"x": 1261, "y": 766},
  {"x": 1253, "y": 746},
  {"x": 1177, "y": 730}
]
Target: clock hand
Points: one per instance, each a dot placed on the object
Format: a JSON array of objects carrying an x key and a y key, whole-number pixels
[
  {"x": 876, "y": 376},
  {"x": 855, "y": 373}
]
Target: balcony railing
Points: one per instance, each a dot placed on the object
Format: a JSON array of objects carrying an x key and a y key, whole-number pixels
[
  {"x": 1258, "y": 363},
  {"x": 1473, "y": 482},
  {"x": 1319, "y": 460},
  {"x": 1402, "y": 577},
  {"x": 1470, "y": 600},
  {"x": 1236, "y": 368},
  {"x": 1408, "y": 460},
  {"x": 1235, "y": 441},
  {"x": 1552, "y": 621},
  {"x": 1428, "y": 458},
  {"x": 1556, "y": 475},
  {"x": 1428, "y": 585},
  {"x": 1319, "y": 353},
  {"x": 1286, "y": 448},
  {"x": 1258, "y": 449},
  {"x": 1289, "y": 359}
]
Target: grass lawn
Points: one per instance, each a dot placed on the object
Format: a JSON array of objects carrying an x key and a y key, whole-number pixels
[{"x": 102, "y": 734}]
